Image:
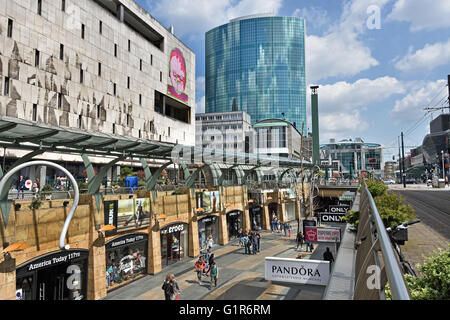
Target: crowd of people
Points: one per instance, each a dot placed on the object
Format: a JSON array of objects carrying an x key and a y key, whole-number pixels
[{"x": 277, "y": 226}]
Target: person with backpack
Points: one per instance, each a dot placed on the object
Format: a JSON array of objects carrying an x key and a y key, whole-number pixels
[
  {"x": 166, "y": 288},
  {"x": 214, "y": 275},
  {"x": 199, "y": 267}
]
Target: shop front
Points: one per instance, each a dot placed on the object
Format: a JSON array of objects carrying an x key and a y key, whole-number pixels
[
  {"x": 256, "y": 218},
  {"x": 208, "y": 226},
  {"x": 174, "y": 243},
  {"x": 273, "y": 210},
  {"x": 60, "y": 275},
  {"x": 126, "y": 259},
  {"x": 234, "y": 223},
  {"x": 290, "y": 211}
]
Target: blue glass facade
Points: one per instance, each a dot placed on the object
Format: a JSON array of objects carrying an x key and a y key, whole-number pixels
[{"x": 258, "y": 65}]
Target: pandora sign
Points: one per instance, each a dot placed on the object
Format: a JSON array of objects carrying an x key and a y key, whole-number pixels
[{"x": 297, "y": 271}]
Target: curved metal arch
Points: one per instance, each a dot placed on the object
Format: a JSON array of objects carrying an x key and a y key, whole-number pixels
[{"x": 4, "y": 183}]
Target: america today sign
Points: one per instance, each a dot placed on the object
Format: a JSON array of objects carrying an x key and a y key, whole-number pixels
[{"x": 315, "y": 272}]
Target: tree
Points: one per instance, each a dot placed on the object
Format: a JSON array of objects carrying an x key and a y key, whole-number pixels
[
  {"x": 376, "y": 188},
  {"x": 126, "y": 172},
  {"x": 434, "y": 282},
  {"x": 392, "y": 209}
]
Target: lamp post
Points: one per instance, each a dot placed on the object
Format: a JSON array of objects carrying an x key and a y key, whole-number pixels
[{"x": 443, "y": 167}]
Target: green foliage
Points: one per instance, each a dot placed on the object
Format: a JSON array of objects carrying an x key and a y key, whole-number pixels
[
  {"x": 141, "y": 183},
  {"x": 352, "y": 217},
  {"x": 126, "y": 172},
  {"x": 434, "y": 282},
  {"x": 392, "y": 209},
  {"x": 47, "y": 188},
  {"x": 35, "y": 204},
  {"x": 376, "y": 188},
  {"x": 82, "y": 185}
]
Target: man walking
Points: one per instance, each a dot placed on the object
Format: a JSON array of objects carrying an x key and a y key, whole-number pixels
[
  {"x": 246, "y": 242},
  {"x": 328, "y": 256},
  {"x": 254, "y": 243}
]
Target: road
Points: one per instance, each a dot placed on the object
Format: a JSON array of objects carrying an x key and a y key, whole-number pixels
[{"x": 432, "y": 207}]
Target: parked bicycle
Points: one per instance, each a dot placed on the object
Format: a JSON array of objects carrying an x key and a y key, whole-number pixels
[{"x": 399, "y": 235}]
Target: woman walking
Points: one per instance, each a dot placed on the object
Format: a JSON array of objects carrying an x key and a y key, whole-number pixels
[
  {"x": 166, "y": 288},
  {"x": 199, "y": 267},
  {"x": 175, "y": 289}
]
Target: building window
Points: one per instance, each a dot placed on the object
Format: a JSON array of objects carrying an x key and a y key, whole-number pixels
[
  {"x": 99, "y": 69},
  {"x": 81, "y": 75},
  {"x": 115, "y": 49},
  {"x": 168, "y": 132},
  {"x": 63, "y": 5},
  {"x": 98, "y": 112},
  {"x": 39, "y": 7},
  {"x": 160, "y": 76},
  {"x": 80, "y": 121},
  {"x": 61, "y": 51},
  {"x": 128, "y": 83},
  {"x": 140, "y": 134},
  {"x": 128, "y": 120},
  {"x": 129, "y": 45},
  {"x": 6, "y": 91},
  {"x": 100, "y": 27},
  {"x": 151, "y": 59},
  {"x": 59, "y": 101},
  {"x": 34, "y": 112},
  {"x": 140, "y": 99},
  {"x": 140, "y": 64},
  {"x": 10, "y": 28},
  {"x": 114, "y": 88},
  {"x": 83, "y": 29},
  {"x": 36, "y": 58},
  {"x": 114, "y": 128}
]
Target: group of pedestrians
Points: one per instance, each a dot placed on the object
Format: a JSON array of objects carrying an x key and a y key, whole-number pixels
[
  {"x": 250, "y": 241},
  {"x": 277, "y": 226},
  {"x": 21, "y": 187},
  {"x": 300, "y": 239}
]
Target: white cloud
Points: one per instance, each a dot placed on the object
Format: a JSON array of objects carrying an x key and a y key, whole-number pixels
[
  {"x": 343, "y": 96},
  {"x": 200, "y": 85},
  {"x": 195, "y": 17},
  {"x": 200, "y": 105},
  {"x": 426, "y": 59},
  {"x": 341, "y": 125},
  {"x": 314, "y": 16},
  {"x": 421, "y": 95},
  {"x": 340, "y": 52},
  {"x": 423, "y": 15}
]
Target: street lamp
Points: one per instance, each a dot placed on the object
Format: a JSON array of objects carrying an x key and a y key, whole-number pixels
[{"x": 443, "y": 168}]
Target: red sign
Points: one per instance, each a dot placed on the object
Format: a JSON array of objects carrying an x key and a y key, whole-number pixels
[{"x": 311, "y": 234}]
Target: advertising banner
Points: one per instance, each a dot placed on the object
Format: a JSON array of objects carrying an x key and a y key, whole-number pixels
[
  {"x": 332, "y": 217},
  {"x": 310, "y": 234},
  {"x": 127, "y": 214},
  {"x": 208, "y": 200},
  {"x": 315, "y": 272},
  {"x": 339, "y": 209},
  {"x": 328, "y": 235}
]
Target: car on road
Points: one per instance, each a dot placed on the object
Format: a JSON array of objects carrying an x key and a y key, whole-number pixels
[
  {"x": 410, "y": 181},
  {"x": 390, "y": 181}
]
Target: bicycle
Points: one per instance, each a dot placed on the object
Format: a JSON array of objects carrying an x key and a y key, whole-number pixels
[{"x": 398, "y": 235}]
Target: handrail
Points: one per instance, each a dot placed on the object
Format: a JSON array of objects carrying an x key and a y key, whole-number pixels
[
  {"x": 371, "y": 238},
  {"x": 394, "y": 274}
]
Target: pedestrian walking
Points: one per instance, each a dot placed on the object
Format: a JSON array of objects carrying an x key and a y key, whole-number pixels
[
  {"x": 309, "y": 246},
  {"x": 199, "y": 267},
  {"x": 36, "y": 188},
  {"x": 299, "y": 240},
  {"x": 210, "y": 262},
  {"x": 254, "y": 243},
  {"x": 272, "y": 224},
  {"x": 214, "y": 275},
  {"x": 206, "y": 257},
  {"x": 241, "y": 235},
  {"x": 328, "y": 256},
  {"x": 175, "y": 288},
  {"x": 21, "y": 186},
  {"x": 166, "y": 287},
  {"x": 249, "y": 244},
  {"x": 285, "y": 227},
  {"x": 245, "y": 241},
  {"x": 279, "y": 226},
  {"x": 258, "y": 236},
  {"x": 209, "y": 242}
]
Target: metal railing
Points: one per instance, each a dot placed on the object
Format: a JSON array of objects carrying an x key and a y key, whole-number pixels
[{"x": 376, "y": 262}]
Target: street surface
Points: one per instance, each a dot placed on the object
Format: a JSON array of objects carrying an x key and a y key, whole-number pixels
[
  {"x": 241, "y": 277},
  {"x": 432, "y": 207}
]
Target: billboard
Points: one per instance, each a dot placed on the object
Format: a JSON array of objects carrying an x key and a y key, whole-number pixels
[
  {"x": 127, "y": 214},
  {"x": 318, "y": 234},
  {"x": 208, "y": 200},
  {"x": 177, "y": 74},
  {"x": 315, "y": 272}
]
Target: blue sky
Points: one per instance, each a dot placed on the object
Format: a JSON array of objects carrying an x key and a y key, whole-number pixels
[{"x": 376, "y": 72}]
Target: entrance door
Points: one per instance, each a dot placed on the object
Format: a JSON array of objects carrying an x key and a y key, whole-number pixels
[{"x": 58, "y": 283}]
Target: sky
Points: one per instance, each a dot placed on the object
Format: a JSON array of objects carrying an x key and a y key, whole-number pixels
[{"x": 378, "y": 63}]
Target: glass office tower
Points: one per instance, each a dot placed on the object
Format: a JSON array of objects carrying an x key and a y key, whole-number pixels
[{"x": 257, "y": 64}]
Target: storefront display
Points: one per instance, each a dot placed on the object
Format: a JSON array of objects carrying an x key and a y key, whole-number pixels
[
  {"x": 290, "y": 211},
  {"x": 58, "y": 275},
  {"x": 234, "y": 223},
  {"x": 273, "y": 210},
  {"x": 174, "y": 243},
  {"x": 209, "y": 201},
  {"x": 126, "y": 259},
  {"x": 127, "y": 214},
  {"x": 206, "y": 227},
  {"x": 256, "y": 217}
]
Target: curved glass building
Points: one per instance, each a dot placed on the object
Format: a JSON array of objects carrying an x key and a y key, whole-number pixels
[{"x": 257, "y": 64}]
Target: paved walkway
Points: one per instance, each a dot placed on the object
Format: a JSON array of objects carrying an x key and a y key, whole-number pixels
[{"x": 241, "y": 277}]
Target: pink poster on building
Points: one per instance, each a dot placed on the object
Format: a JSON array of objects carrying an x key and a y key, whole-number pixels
[
  {"x": 311, "y": 234},
  {"x": 177, "y": 74}
]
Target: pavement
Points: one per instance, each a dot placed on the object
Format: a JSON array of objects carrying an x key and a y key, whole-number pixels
[{"x": 241, "y": 277}]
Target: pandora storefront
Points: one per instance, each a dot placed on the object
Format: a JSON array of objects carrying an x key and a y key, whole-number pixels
[{"x": 58, "y": 275}]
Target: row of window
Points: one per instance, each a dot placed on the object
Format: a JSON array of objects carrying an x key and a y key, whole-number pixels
[{"x": 237, "y": 116}]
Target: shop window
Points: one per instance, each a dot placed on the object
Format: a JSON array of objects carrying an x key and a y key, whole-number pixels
[{"x": 174, "y": 243}]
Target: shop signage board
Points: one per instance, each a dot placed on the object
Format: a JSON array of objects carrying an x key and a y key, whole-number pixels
[
  {"x": 126, "y": 240},
  {"x": 52, "y": 259},
  {"x": 209, "y": 219},
  {"x": 342, "y": 208},
  {"x": 319, "y": 234},
  {"x": 332, "y": 217},
  {"x": 173, "y": 228},
  {"x": 315, "y": 272}
]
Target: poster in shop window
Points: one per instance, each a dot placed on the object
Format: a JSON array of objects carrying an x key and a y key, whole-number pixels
[
  {"x": 127, "y": 214},
  {"x": 208, "y": 200}
]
